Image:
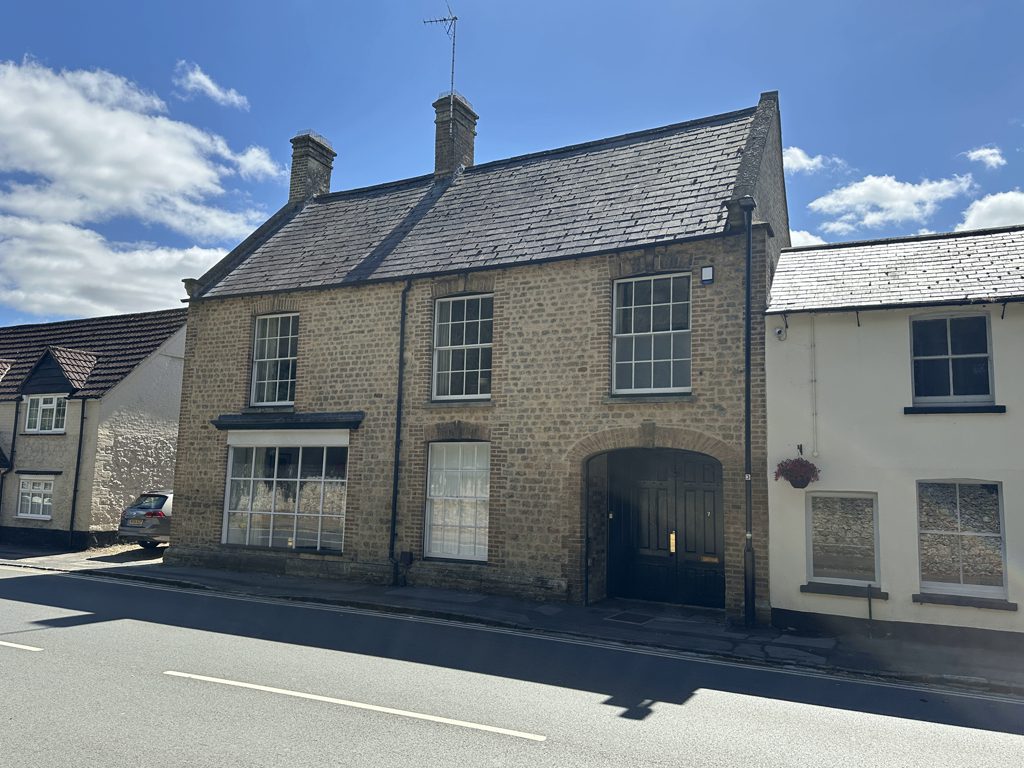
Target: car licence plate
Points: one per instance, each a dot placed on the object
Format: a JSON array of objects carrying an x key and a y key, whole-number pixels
[{"x": 137, "y": 523}]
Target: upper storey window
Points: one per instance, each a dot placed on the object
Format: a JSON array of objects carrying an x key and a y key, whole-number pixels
[
  {"x": 951, "y": 359},
  {"x": 652, "y": 335},
  {"x": 274, "y": 355},
  {"x": 462, "y": 348},
  {"x": 46, "y": 413}
]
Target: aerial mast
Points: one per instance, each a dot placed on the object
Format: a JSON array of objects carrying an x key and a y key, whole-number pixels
[{"x": 450, "y": 21}]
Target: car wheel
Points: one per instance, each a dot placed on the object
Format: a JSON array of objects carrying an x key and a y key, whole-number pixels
[{"x": 149, "y": 544}]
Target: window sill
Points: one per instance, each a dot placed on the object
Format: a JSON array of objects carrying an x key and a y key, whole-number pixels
[
  {"x": 281, "y": 550},
  {"x": 453, "y": 560},
  {"x": 36, "y": 433},
  {"x": 844, "y": 590},
  {"x": 914, "y": 409},
  {"x": 658, "y": 398},
  {"x": 254, "y": 408},
  {"x": 993, "y": 603},
  {"x": 476, "y": 403},
  {"x": 44, "y": 518}
]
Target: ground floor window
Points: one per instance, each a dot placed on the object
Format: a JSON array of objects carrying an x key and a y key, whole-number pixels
[
  {"x": 458, "y": 490},
  {"x": 289, "y": 496},
  {"x": 842, "y": 537},
  {"x": 960, "y": 542},
  {"x": 35, "y": 497}
]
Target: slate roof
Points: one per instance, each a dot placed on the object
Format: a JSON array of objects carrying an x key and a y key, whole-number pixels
[
  {"x": 972, "y": 267},
  {"x": 115, "y": 346},
  {"x": 642, "y": 188}
]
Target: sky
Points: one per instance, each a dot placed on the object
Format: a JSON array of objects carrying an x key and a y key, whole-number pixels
[{"x": 140, "y": 142}]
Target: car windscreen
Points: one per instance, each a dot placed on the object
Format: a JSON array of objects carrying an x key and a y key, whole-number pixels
[{"x": 149, "y": 501}]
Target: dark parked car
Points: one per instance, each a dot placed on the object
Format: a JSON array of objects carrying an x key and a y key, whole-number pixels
[{"x": 148, "y": 519}]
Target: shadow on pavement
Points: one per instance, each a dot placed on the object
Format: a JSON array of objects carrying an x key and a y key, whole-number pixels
[{"x": 631, "y": 681}]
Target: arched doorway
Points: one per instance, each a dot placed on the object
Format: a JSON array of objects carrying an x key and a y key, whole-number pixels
[{"x": 666, "y": 538}]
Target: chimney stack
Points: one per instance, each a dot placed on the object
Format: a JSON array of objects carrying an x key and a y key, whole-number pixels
[
  {"x": 453, "y": 138},
  {"x": 312, "y": 160}
]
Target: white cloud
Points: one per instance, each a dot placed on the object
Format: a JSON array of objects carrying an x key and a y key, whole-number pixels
[
  {"x": 998, "y": 210},
  {"x": 990, "y": 157},
  {"x": 78, "y": 149},
  {"x": 795, "y": 160},
  {"x": 801, "y": 237},
  {"x": 192, "y": 79},
  {"x": 876, "y": 201}
]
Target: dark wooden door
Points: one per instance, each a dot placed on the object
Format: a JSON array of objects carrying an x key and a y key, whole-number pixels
[{"x": 666, "y": 537}]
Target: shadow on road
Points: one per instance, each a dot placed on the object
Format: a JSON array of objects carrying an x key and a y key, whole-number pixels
[{"x": 631, "y": 681}]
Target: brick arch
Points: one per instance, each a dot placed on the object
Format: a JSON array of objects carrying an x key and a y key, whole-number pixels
[{"x": 649, "y": 435}]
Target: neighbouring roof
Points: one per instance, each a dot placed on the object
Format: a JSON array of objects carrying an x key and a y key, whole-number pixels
[
  {"x": 115, "y": 346},
  {"x": 643, "y": 188},
  {"x": 972, "y": 267}
]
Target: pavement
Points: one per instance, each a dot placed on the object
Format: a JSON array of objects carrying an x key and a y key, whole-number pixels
[{"x": 665, "y": 627}]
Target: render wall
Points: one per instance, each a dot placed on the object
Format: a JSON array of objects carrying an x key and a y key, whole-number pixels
[
  {"x": 136, "y": 435},
  {"x": 549, "y": 412},
  {"x": 866, "y": 443}
]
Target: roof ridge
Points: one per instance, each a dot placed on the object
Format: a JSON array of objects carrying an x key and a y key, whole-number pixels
[
  {"x": 906, "y": 238},
  {"x": 724, "y": 117},
  {"x": 81, "y": 320},
  {"x": 373, "y": 187}
]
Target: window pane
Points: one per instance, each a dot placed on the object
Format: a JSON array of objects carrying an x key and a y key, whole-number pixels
[
  {"x": 458, "y": 310},
  {"x": 940, "y": 558},
  {"x": 485, "y": 332},
  {"x": 472, "y": 383},
  {"x": 241, "y": 462},
  {"x": 487, "y": 308},
  {"x": 58, "y": 419},
  {"x": 307, "y": 531},
  {"x": 444, "y": 312},
  {"x": 982, "y": 560},
  {"x": 663, "y": 346},
  {"x": 843, "y": 537},
  {"x": 929, "y": 338},
  {"x": 681, "y": 346},
  {"x": 642, "y": 347},
  {"x": 642, "y": 292},
  {"x": 238, "y": 526},
  {"x": 968, "y": 335},
  {"x": 473, "y": 333},
  {"x": 681, "y": 289},
  {"x": 979, "y": 508},
  {"x": 266, "y": 460},
  {"x": 458, "y": 334},
  {"x": 262, "y": 495},
  {"x": 337, "y": 463},
  {"x": 288, "y": 462},
  {"x": 259, "y": 530},
  {"x": 441, "y": 336},
  {"x": 936, "y": 507},
  {"x": 623, "y": 375},
  {"x": 624, "y": 295},
  {"x": 312, "y": 462},
  {"x": 332, "y": 533},
  {"x": 931, "y": 378},
  {"x": 662, "y": 292},
  {"x": 335, "y": 496},
  {"x": 642, "y": 320},
  {"x": 240, "y": 495},
  {"x": 681, "y": 373},
  {"x": 284, "y": 531},
  {"x": 623, "y": 350},
  {"x": 285, "y": 492},
  {"x": 642, "y": 376},
  {"x": 660, "y": 320},
  {"x": 472, "y": 309},
  {"x": 46, "y": 419},
  {"x": 624, "y": 320},
  {"x": 970, "y": 375},
  {"x": 309, "y": 496},
  {"x": 680, "y": 317},
  {"x": 663, "y": 375},
  {"x": 458, "y": 489},
  {"x": 33, "y": 413}
]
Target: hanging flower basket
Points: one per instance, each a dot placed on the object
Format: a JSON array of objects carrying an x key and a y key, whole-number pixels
[{"x": 799, "y": 472}]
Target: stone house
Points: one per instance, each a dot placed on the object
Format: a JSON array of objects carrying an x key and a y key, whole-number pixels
[
  {"x": 88, "y": 420},
  {"x": 523, "y": 377},
  {"x": 897, "y": 368}
]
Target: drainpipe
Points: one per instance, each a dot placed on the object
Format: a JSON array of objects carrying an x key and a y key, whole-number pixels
[
  {"x": 747, "y": 205},
  {"x": 14, "y": 439},
  {"x": 399, "y": 401},
  {"x": 78, "y": 466}
]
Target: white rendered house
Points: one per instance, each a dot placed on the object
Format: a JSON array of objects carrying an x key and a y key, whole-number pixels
[{"x": 897, "y": 368}]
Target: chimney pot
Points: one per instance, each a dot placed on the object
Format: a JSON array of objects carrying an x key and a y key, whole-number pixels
[
  {"x": 312, "y": 160},
  {"x": 453, "y": 138}
]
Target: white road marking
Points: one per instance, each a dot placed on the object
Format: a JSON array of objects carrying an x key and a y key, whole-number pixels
[
  {"x": 541, "y": 636},
  {"x": 360, "y": 705},
  {"x": 20, "y": 647}
]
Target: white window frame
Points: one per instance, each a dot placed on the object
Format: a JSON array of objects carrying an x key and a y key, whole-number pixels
[
  {"x": 962, "y": 590},
  {"x": 429, "y": 549},
  {"x": 29, "y": 480},
  {"x": 335, "y": 438},
  {"x": 809, "y": 523},
  {"x": 952, "y": 399},
  {"x": 617, "y": 335},
  {"x": 439, "y": 348},
  {"x": 257, "y": 360},
  {"x": 35, "y": 427}
]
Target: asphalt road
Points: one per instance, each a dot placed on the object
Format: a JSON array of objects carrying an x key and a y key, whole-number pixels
[{"x": 96, "y": 672}]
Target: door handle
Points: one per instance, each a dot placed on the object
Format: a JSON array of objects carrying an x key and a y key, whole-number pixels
[{"x": 672, "y": 543}]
